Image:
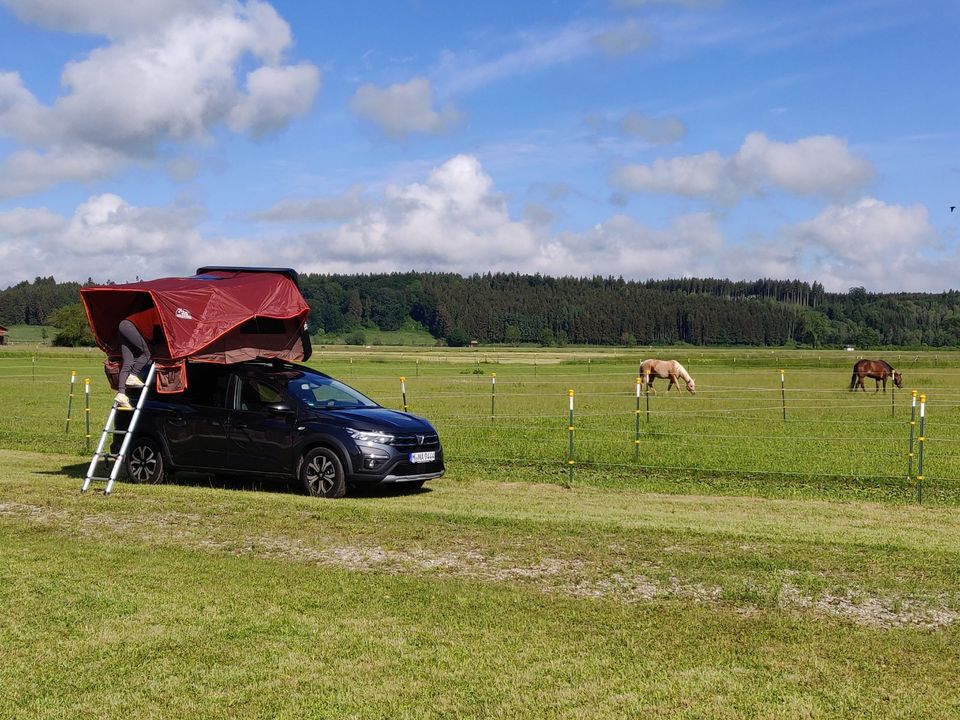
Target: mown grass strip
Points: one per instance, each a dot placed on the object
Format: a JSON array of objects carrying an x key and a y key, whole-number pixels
[{"x": 114, "y": 630}]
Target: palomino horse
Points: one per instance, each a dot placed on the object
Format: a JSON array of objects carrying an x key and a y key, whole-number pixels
[
  {"x": 879, "y": 370},
  {"x": 652, "y": 369}
]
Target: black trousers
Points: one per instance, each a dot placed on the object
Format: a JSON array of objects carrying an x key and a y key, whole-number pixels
[{"x": 134, "y": 350}]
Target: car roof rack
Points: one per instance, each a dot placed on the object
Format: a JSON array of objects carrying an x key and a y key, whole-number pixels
[{"x": 289, "y": 272}]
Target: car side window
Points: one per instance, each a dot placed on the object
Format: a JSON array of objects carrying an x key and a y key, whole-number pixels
[
  {"x": 256, "y": 395},
  {"x": 207, "y": 385}
]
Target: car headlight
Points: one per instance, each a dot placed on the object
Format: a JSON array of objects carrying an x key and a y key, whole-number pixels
[{"x": 374, "y": 436}]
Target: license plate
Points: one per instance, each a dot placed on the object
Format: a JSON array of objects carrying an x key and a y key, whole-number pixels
[{"x": 422, "y": 457}]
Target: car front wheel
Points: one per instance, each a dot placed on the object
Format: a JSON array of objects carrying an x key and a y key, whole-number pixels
[
  {"x": 322, "y": 474},
  {"x": 144, "y": 461}
]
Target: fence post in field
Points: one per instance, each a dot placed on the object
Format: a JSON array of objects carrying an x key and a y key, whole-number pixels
[
  {"x": 570, "y": 460},
  {"x": 893, "y": 402},
  {"x": 493, "y": 396},
  {"x": 783, "y": 396},
  {"x": 636, "y": 439},
  {"x": 34, "y": 368},
  {"x": 913, "y": 424},
  {"x": 920, "y": 443},
  {"x": 73, "y": 380},
  {"x": 86, "y": 392},
  {"x": 418, "y": 367},
  {"x": 646, "y": 393},
  {"x": 403, "y": 391}
]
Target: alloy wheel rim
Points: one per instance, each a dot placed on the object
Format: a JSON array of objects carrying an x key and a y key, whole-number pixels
[
  {"x": 321, "y": 474},
  {"x": 143, "y": 463}
]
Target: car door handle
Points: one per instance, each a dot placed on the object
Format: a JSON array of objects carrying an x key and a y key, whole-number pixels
[{"x": 177, "y": 420}]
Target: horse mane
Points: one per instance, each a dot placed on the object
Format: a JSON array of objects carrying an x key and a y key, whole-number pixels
[{"x": 682, "y": 372}]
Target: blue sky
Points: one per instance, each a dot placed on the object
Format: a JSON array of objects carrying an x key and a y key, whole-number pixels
[{"x": 634, "y": 138}]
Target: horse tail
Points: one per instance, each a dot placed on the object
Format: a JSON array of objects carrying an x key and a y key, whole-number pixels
[{"x": 853, "y": 379}]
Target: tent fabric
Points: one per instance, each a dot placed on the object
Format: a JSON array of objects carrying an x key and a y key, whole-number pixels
[{"x": 223, "y": 316}]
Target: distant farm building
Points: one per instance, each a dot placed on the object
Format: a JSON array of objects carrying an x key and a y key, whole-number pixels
[{"x": 3, "y": 335}]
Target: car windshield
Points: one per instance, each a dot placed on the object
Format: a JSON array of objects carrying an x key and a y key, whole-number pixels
[{"x": 317, "y": 391}]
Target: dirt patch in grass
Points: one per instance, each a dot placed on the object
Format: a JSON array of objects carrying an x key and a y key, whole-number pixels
[{"x": 544, "y": 573}]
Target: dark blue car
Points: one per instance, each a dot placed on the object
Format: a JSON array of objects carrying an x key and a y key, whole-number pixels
[{"x": 283, "y": 420}]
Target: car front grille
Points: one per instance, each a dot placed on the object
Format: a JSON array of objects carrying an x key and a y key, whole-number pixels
[{"x": 413, "y": 443}]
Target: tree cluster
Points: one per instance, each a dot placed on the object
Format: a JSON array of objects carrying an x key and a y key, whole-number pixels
[{"x": 514, "y": 308}]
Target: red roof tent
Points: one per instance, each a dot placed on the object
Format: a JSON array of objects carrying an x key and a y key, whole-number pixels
[{"x": 221, "y": 314}]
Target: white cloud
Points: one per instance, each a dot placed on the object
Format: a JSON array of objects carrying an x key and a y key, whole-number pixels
[
  {"x": 106, "y": 238},
  {"x": 26, "y": 171},
  {"x": 110, "y": 18},
  {"x": 342, "y": 207},
  {"x": 453, "y": 220},
  {"x": 29, "y": 222},
  {"x": 820, "y": 165},
  {"x": 274, "y": 96},
  {"x": 872, "y": 244},
  {"x": 168, "y": 75},
  {"x": 624, "y": 39},
  {"x": 691, "y": 176},
  {"x": 403, "y": 109},
  {"x": 656, "y": 131},
  {"x": 456, "y": 220},
  {"x": 538, "y": 51},
  {"x": 689, "y": 246}
]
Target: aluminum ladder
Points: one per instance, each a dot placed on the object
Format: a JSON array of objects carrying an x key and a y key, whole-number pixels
[{"x": 109, "y": 430}]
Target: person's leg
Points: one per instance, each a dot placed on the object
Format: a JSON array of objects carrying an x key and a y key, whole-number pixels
[
  {"x": 134, "y": 350},
  {"x": 126, "y": 353}
]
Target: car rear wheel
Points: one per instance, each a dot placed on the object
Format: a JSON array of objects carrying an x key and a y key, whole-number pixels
[
  {"x": 322, "y": 474},
  {"x": 144, "y": 461}
]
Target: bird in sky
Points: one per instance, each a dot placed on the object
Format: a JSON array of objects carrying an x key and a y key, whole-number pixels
[{"x": 952, "y": 208}]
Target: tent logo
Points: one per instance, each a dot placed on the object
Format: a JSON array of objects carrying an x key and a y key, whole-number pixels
[{"x": 184, "y": 314}]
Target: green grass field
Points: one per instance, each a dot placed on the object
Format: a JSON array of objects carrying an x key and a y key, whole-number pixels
[{"x": 741, "y": 565}]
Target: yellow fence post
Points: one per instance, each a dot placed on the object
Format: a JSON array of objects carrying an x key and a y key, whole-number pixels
[
  {"x": 921, "y": 440},
  {"x": 570, "y": 460},
  {"x": 86, "y": 393},
  {"x": 636, "y": 416},
  {"x": 913, "y": 425},
  {"x": 73, "y": 380}
]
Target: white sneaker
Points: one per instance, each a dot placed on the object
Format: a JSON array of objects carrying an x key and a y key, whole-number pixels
[
  {"x": 122, "y": 402},
  {"x": 134, "y": 382}
]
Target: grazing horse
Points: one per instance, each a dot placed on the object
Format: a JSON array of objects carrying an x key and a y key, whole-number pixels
[
  {"x": 879, "y": 370},
  {"x": 652, "y": 369}
]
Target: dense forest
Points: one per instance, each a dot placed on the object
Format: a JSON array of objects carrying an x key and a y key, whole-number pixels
[{"x": 513, "y": 308}]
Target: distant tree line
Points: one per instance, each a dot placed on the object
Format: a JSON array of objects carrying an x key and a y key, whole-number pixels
[{"x": 515, "y": 308}]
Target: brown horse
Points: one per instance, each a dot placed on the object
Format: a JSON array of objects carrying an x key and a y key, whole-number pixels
[
  {"x": 879, "y": 370},
  {"x": 652, "y": 369}
]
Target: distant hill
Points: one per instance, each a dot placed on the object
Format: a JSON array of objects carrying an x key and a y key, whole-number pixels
[{"x": 515, "y": 308}]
